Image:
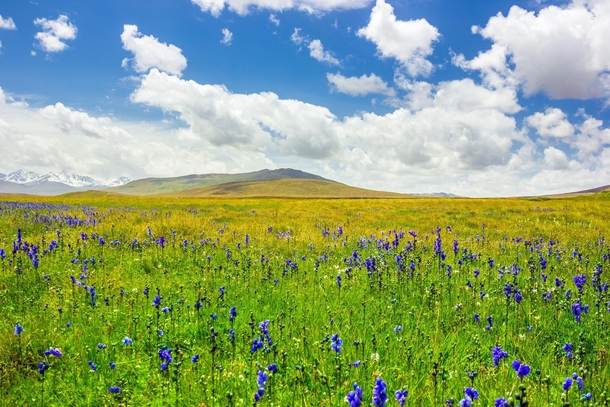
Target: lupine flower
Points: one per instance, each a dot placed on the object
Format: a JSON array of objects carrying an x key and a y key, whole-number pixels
[
  {"x": 580, "y": 382},
  {"x": 232, "y": 314},
  {"x": 567, "y": 384},
  {"x": 261, "y": 379},
  {"x": 471, "y": 393},
  {"x": 497, "y": 354},
  {"x": 567, "y": 348},
  {"x": 336, "y": 343},
  {"x": 380, "y": 396},
  {"x": 43, "y": 367},
  {"x": 157, "y": 301},
  {"x": 18, "y": 329},
  {"x": 115, "y": 389},
  {"x": 586, "y": 397},
  {"x": 401, "y": 396},
  {"x": 501, "y": 402},
  {"x": 272, "y": 368},
  {"x": 354, "y": 398},
  {"x": 53, "y": 351},
  {"x": 477, "y": 318},
  {"x": 466, "y": 402}
]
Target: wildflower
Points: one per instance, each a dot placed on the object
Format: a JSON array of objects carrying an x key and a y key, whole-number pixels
[
  {"x": 336, "y": 343},
  {"x": 567, "y": 384},
  {"x": 232, "y": 313},
  {"x": 586, "y": 397},
  {"x": 43, "y": 367},
  {"x": 127, "y": 341},
  {"x": 272, "y": 368},
  {"x": 397, "y": 328},
  {"x": 471, "y": 393},
  {"x": 93, "y": 365},
  {"x": 261, "y": 379},
  {"x": 195, "y": 358},
  {"x": 401, "y": 396},
  {"x": 380, "y": 396},
  {"x": 567, "y": 348},
  {"x": 53, "y": 351},
  {"x": 101, "y": 346},
  {"x": 501, "y": 402},
  {"x": 477, "y": 318},
  {"x": 466, "y": 402},
  {"x": 157, "y": 301},
  {"x": 112, "y": 365},
  {"x": 354, "y": 398},
  {"x": 356, "y": 363},
  {"x": 18, "y": 329},
  {"x": 115, "y": 389}
]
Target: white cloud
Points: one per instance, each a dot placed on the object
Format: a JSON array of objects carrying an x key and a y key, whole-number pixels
[
  {"x": 561, "y": 51},
  {"x": 256, "y": 122},
  {"x": 227, "y": 36},
  {"x": 359, "y": 86},
  {"x": 316, "y": 50},
  {"x": 242, "y": 7},
  {"x": 274, "y": 20},
  {"x": 7, "y": 23},
  {"x": 555, "y": 159},
  {"x": 409, "y": 42},
  {"x": 551, "y": 123},
  {"x": 150, "y": 53},
  {"x": 54, "y": 33},
  {"x": 297, "y": 38}
]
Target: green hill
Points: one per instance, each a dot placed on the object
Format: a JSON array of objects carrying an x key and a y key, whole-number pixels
[
  {"x": 153, "y": 186},
  {"x": 288, "y": 188}
]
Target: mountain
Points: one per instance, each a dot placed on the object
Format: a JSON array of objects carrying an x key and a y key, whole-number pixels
[
  {"x": 283, "y": 188},
  {"x": 152, "y": 186},
  {"x": 28, "y": 182}
]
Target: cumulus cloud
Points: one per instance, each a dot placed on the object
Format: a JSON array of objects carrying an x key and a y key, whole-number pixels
[
  {"x": 409, "y": 42},
  {"x": 316, "y": 50},
  {"x": 258, "y": 122},
  {"x": 7, "y": 23},
  {"x": 359, "y": 86},
  {"x": 242, "y": 7},
  {"x": 560, "y": 51},
  {"x": 555, "y": 159},
  {"x": 551, "y": 123},
  {"x": 150, "y": 53},
  {"x": 227, "y": 36},
  {"x": 54, "y": 33}
]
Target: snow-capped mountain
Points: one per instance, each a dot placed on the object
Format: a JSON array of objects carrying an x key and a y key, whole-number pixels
[
  {"x": 30, "y": 178},
  {"x": 23, "y": 177}
]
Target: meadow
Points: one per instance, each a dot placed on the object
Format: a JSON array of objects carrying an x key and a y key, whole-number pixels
[{"x": 110, "y": 301}]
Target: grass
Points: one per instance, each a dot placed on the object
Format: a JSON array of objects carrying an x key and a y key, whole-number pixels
[{"x": 288, "y": 276}]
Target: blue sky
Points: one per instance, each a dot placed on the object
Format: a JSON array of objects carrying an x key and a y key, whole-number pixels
[{"x": 477, "y": 98}]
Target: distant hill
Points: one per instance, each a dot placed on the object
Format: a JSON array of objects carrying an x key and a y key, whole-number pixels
[
  {"x": 284, "y": 188},
  {"x": 154, "y": 186},
  {"x": 591, "y": 191}
]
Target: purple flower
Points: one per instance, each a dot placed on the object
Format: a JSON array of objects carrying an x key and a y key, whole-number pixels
[
  {"x": 115, "y": 389},
  {"x": 497, "y": 354},
  {"x": 501, "y": 402},
  {"x": 53, "y": 351},
  {"x": 471, "y": 393},
  {"x": 354, "y": 398},
  {"x": 567, "y": 384},
  {"x": 380, "y": 396},
  {"x": 567, "y": 348},
  {"x": 195, "y": 358},
  {"x": 336, "y": 343},
  {"x": 18, "y": 329},
  {"x": 401, "y": 396},
  {"x": 92, "y": 365}
]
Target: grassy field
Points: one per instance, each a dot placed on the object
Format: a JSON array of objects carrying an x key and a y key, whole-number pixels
[{"x": 112, "y": 300}]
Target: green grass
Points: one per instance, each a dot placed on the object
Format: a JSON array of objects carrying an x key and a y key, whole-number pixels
[{"x": 440, "y": 342}]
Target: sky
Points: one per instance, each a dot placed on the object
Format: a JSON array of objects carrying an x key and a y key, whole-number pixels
[{"x": 475, "y": 98}]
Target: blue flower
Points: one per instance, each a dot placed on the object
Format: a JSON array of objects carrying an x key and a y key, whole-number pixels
[
  {"x": 380, "y": 396},
  {"x": 497, "y": 354},
  {"x": 336, "y": 343},
  {"x": 501, "y": 402},
  {"x": 18, "y": 329},
  {"x": 93, "y": 365},
  {"x": 195, "y": 358},
  {"x": 401, "y": 396},
  {"x": 567, "y": 384},
  {"x": 53, "y": 351},
  {"x": 127, "y": 341},
  {"x": 471, "y": 393},
  {"x": 354, "y": 398},
  {"x": 112, "y": 365},
  {"x": 115, "y": 389},
  {"x": 272, "y": 368},
  {"x": 43, "y": 367}
]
